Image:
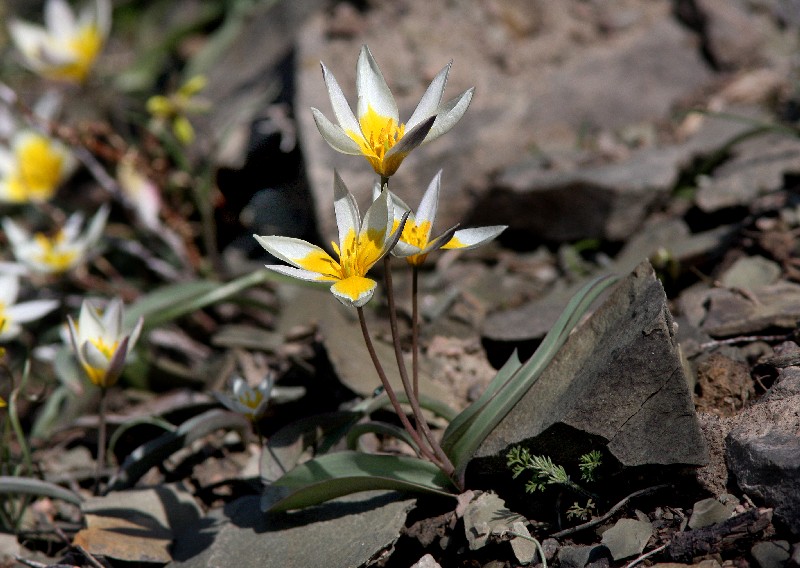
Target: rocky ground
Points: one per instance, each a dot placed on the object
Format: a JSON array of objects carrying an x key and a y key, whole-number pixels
[{"x": 657, "y": 140}]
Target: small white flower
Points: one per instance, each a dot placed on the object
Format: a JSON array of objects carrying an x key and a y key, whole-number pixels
[
  {"x": 67, "y": 46},
  {"x": 100, "y": 343},
  {"x": 246, "y": 400},
  {"x": 58, "y": 253},
  {"x": 13, "y": 314},
  {"x": 377, "y": 133}
]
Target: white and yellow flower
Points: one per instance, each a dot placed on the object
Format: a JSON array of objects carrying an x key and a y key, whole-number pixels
[
  {"x": 66, "y": 48},
  {"x": 415, "y": 241},
  {"x": 12, "y": 314},
  {"x": 58, "y": 253},
  {"x": 100, "y": 342},
  {"x": 246, "y": 400},
  {"x": 33, "y": 168},
  {"x": 377, "y": 133},
  {"x": 361, "y": 245},
  {"x": 141, "y": 193}
]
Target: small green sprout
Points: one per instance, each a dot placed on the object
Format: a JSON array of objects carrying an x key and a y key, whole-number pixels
[{"x": 589, "y": 463}]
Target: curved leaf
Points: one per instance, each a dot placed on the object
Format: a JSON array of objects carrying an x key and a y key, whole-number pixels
[
  {"x": 30, "y": 486},
  {"x": 467, "y": 432},
  {"x": 156, "y": 451},
  {"x": 343, "y": 473}
]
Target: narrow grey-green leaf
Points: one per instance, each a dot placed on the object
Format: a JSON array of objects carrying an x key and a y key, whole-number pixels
[
  {"x": 156, "y": 451},
  {"x": 38, "y": 487},
  {"x": 470, "y": 433},
  {"x": 343, "y": 473}
]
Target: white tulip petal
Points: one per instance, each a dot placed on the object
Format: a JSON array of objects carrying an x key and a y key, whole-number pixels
[
  {"x": 430, "y": 203},
  {"x": 102, "y": 17},
  {"x": 9, "y": 289},
  {"x": 112, "y": 319},
  {"x": 335, "y": 136},
  {"x": 402, "y": 249},
  {"x": 291, "y": 250},
  {"x": 466, "y": 239},
  {"x": 16, "y": 235},
  {"x": 135, "y": 332},
  {"x": 378, "y": 219},
  {"x": 28, "y": 38},
  {"x": 90, "y": 322},
  {"x": 93, "y": 356},
  {"x": 341, "y": 109},
  {"x": 449, "y": 114},
  {"x": 30, "y": 311},
  {"x": 429, "y": 103},
  {"x": 348, "y": 217},
  {"x": 300, "y": 273},
  {"x": 59, "y": 19},
  {"x": 372, "y": 88},
  {"x": 96, "y": 226}
]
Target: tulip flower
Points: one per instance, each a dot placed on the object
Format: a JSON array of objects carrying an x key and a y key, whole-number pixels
[
  {"x": 377, "y": 133},
  {"x": 246, "y": 400},
  {"x": 100, "y": 343},
  {"x": 12, "y": 314},
  {"x": 361, "y": 245},
  {"x": 67, "y": 47},
  {"x": 33, "y": 168},
  {"x": 417, "y": 229},
  {"x": 58, "y": 253}
]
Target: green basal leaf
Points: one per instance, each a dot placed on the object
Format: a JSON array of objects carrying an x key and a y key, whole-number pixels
[
  {"x": 156, "y": 451},
  {"x": 470, "y": 428},
  {"x": 176, "y": 300},
  {"x": 30, "y": 486},
  {"x": 382, "y": 429},
  {"x": 460, "y": 423},
  {"x": 343, "y": 473}
]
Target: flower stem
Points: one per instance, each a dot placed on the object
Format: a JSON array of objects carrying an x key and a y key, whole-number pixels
[
  {"x": 390, "y": 391},
  {"x": 101, "y": 440},
  {"x": 415, "y": 328},
  {"x": 413, "y": 396}
]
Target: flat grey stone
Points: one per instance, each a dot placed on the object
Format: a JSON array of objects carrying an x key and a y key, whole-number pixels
[
  {"x": 759, "y": 166},
  {"x": 346, "y": 532},
  {"x": 627, "y": 538},
  {"x": 770, "y": 554},
  {"x": 732, "y": 312},
  {"x": 751, "y": 272},
  {"x": 577, "y": 556},
  {"x": 618, "y": 382}
]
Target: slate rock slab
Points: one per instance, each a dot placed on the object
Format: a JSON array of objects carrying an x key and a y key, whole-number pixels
[
  {"x": 608, "y": 201},
  {"x": 618, "y": 382},
  {"x": 732, "y": 312},
  {"x": 759, "y": 166},
  {"x": 347, "y": 532},
  {"x": 763, "y": 449}
]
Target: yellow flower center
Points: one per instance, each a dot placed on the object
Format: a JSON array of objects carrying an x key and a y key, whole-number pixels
[
  {"x": 378, "y": 135},
  {"x": 107, "y": 349},
  {"x": 40, "y": 167},
  {"x": 356, "y": 257},
  {"x": 416, "y": 235},
  {"x": 84, "y": 47},
  {"x": 97, "y": 375},
  {"x": 3, "y": 317},
  {"x": 53, "y": 253},
  {"x": 251, "y": 399}
]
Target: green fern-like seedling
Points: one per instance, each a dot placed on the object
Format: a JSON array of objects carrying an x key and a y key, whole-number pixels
[{"x": 589, "y": 463}]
